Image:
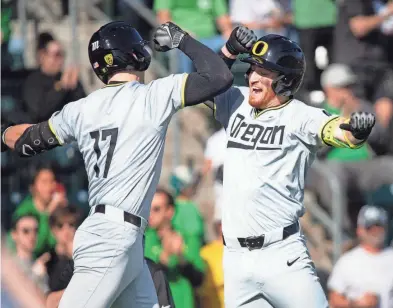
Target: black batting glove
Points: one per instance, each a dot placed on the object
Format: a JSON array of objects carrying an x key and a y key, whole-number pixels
[
  {"x": 360, "y": 125},
  {"x": 168, "y": 36},
  {"x": 241, "y": 40}
]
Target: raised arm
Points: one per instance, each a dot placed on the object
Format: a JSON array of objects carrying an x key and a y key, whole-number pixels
[
  {"x": 212, "y": 76},
  {"x": 350, "y": 133}
]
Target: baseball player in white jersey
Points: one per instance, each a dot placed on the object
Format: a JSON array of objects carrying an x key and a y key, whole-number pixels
[
  {"x": 272, "y": 140},
  {"x": 120, "y": 131}
]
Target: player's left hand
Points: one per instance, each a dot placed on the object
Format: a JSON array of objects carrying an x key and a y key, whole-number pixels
[
  {"x": 168, "y": 36},
  {"x": 241, "y": 40},
  {"x": 360, "y": 124}
]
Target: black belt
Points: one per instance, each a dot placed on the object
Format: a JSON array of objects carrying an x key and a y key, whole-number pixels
[
  {"x": 128, "y": 217},
  {"x": 256, "y": 242}
]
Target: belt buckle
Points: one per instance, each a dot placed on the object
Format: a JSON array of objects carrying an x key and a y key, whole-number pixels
[{"x": 255, "y": 241}]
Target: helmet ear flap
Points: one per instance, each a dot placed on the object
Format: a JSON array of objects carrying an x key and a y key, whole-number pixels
[{"x": 282, "y": 85}]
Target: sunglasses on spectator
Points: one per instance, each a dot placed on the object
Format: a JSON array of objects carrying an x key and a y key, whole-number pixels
[
  {"x": 27, "y": 231},
  {"x": 60, "y": 225}
]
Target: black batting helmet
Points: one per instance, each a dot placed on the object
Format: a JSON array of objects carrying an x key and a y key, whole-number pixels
[
  {"x": 116, "y": 47},
  {"x": 279, "y": 54}
]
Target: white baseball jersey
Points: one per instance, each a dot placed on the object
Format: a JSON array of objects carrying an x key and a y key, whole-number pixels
[
  {"x": 266, "y": 161},
  {"x": 120, "y": 131},
  {"x": 358, "y": 272}
]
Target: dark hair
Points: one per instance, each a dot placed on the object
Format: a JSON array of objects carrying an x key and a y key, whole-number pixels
[
  {"x": 43, "y": 40},
  {"x": 169, "y": 197},
  {"x": 60, "y": 212},
  {"x": 16, "y": 218},
  {"x": 40, "y": 168}
]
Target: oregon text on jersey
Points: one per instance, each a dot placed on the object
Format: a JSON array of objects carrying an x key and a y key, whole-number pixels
[{"x": 250, "y": 136}]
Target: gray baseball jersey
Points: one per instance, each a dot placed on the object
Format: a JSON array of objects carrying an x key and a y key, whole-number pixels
[
  {"x": 266, "y": 162},
  {"x": 120, "y": 131}
]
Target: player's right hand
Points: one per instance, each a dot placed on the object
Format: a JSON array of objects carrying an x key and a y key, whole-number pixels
[
  {"x": 241, "y": 40},
  {"x": 168, "y": 36}
]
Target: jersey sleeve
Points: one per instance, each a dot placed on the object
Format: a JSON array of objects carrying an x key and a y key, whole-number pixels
[
  {"x": 310, "y": 126},
  {"x": 165, "y": 96},
  {"x": 225, "y": 105},
  {"x": 62, "y": 123}
]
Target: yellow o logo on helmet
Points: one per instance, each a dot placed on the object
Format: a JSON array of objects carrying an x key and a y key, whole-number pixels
[{"x": 257, "y": 51}]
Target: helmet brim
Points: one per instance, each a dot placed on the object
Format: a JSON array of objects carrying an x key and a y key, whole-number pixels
[{"x": 269, "y": 65}]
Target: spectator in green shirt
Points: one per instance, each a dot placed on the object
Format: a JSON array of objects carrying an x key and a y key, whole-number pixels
[
  {"x": 200, "y": 19},
  {"x": 359, "y": 171},
  {"x": 44, "y": 199},
  {"x": 176, "y": 252},
  {"x": 315, "y": 21},
  {"x": 187, "y": 217}
]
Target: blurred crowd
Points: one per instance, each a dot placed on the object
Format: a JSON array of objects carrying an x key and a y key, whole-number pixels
[{"x": 348, "y": 46}]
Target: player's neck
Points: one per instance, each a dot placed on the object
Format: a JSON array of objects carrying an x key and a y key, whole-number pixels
[
  {"x": 124, "y": 77},
  {"x": 275, "y": 102}
]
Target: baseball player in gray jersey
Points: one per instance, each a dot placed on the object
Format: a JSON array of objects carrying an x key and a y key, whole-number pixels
[
  {"x": 272, "y": 140},
  {"x": 120, "y": 131}
]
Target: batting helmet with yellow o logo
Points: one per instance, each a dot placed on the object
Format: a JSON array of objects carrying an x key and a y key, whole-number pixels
[{"x": 279, "y": 54}]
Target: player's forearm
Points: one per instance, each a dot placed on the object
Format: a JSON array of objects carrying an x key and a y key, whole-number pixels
[
  {"x": 345, "y": 136},
  {"x": 212, "y": 76},
  {"x": 331, "y": 134},
  {"x": 30, "y": 139},
  {"x": 13, "y": 133}
]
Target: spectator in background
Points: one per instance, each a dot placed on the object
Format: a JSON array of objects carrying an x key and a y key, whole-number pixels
[
  {"x": 48, "y": 89},
  {"x": 200, "y": 19},
  {"x": 17, "y": 290},
  {"x": 176, "y": 252},
  {"x": 337, "y": 82},
  {"x": 63, "y": 223},
  {"x": 187, "y": 217},
  {"x": 6, "y": 13},
  {"x": 363, "y": 277},
  {"x": 357, "y": 171},
  {"x": 214, "y": 162},
  {"x": 212, "y": 290},
  {"x": 262, "y": 16},
  {"x": 314, "y": 20},
  {"x": 46, "y": 196},
  {"x": 24, "y": 233},
  {"x": 361, "y": 44}
]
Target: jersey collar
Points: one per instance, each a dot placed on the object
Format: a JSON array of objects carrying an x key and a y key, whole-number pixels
[
  {"x": 115, "y": 83},
  {"x": 257, "y": 112}
]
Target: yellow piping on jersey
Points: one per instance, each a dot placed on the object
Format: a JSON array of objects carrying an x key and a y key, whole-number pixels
[
  {"x": 183, "y": 88},
  {"x": 54, "y": 132},
  {"x": 257, "y": 114},
  {"x": 115, "y": 84}
]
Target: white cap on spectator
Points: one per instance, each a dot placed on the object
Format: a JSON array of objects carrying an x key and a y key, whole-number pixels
[
  {"x": 338, "y": 76},
  {"x": 371, "y": 215}
]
